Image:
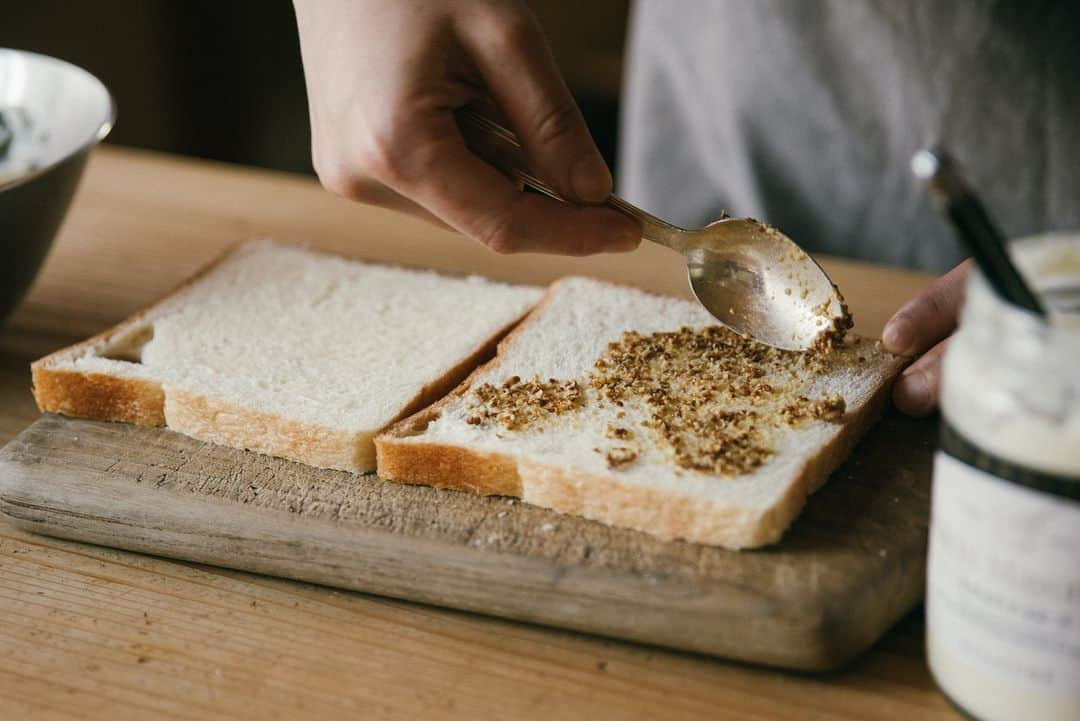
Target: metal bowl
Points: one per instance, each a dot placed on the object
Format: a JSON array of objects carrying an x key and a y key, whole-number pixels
[{"x": 71, "y": 111}]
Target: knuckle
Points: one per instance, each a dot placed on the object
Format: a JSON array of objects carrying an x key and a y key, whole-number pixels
[
  {"x": 422, "y": 157},
  {"x": 498, "y": 235},
  {"x": 399, "y": 158},
  {"x": 556, "y": 122},
  {"x": 577, "y": 245},
  {"x": 381, "y": 155},
  {"x": 509, "y": 30},
  {"x": 937, "y": 302},
  {"x": 344, "y": 181}
]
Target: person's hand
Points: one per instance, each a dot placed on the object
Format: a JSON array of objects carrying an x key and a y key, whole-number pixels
[
  {"x": 923, "y": 325},
  {"x": 384, "y": 78}
]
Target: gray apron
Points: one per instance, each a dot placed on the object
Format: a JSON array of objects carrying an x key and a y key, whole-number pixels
[{"x": 806, "y": 113}]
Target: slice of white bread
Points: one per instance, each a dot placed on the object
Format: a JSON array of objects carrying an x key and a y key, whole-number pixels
[
  {"x": 288, "y": 352},
  {"x": 588, "y": 455}
]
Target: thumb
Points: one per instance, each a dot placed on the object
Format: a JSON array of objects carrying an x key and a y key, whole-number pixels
[
  {"x": 928, "y": 317},
  {"x": 520, "y": 73}
]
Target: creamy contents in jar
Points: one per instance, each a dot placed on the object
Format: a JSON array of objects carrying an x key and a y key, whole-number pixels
[{"x": 1014, "y": 385}]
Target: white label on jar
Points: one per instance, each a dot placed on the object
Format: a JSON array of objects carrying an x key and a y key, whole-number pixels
[{"x": 1003, "y": 585}]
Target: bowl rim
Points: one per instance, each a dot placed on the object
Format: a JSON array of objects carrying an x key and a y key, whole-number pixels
[{"x": 99, "y": 134}]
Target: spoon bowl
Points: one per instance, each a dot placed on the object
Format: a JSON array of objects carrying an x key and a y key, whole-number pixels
[{"x": 757, "y": 282}]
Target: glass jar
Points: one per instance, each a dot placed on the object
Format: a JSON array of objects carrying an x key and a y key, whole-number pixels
[{"x": 1003, "y": 582}]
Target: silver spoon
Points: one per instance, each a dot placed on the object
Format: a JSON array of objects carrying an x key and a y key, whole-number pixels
[{"x": 750, "y": 276}]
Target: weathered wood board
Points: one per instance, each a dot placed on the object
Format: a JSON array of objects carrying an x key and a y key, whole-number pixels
[{"x": 849, "y": 567}]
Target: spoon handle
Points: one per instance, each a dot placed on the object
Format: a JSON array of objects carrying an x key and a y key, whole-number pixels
[
  {"x": 501, "y": 148},
  {"x": 974, "y": 226},
  {"x": 652, "y": 228}
]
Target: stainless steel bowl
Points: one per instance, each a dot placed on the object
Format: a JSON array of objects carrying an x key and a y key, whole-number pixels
[{"x": 72, "y": 111}]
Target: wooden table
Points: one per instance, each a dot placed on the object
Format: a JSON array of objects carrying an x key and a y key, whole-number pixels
[{"x": 88, "y": 632}]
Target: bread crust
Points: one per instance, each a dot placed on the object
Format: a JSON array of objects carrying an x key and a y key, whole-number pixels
[
  {"x": 216, "y": 421},
  {"x": 100, "y": 396},
  {"x": 664, "y": 514}
]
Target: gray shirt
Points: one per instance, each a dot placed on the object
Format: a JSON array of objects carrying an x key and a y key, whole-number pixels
[{"x": 805, "y": 114}]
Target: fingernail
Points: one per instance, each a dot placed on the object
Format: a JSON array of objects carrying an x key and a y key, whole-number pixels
[
  {"x": 915, "y": 394},
  {"x": 898, "y": 335},
  {"x": 590, "y": 179}
]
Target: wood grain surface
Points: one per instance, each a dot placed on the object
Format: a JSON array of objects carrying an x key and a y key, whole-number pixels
[
  {"x": 850, "y": 566},
  {"x": 90, "y": 632}
]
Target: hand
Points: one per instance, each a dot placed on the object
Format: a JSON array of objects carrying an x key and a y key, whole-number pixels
[
  {"x": 384, "y": 78},
  {"x": 922, "y": 325}
]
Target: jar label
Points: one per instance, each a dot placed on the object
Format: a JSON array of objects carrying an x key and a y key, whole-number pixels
[{"x": 1003, "y": 580}]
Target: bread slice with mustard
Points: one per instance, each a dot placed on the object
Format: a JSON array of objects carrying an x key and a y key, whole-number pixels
[{"x": 639, "y": 411}]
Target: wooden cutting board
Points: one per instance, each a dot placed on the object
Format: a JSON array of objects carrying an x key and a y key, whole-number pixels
[{"x": 849, "y": 567}]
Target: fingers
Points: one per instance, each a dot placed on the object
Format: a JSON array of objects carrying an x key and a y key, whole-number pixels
[
  {"x": 383, "y": 91},
  {"x": 924, "y": 322},
  {"x": 371, "y": 192},
  {"x": 427, "y": 162},
  {"x": 520, "y": 73},
  {"x": 918, "y": 388},
  {"x": 928, "y": 317}
]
